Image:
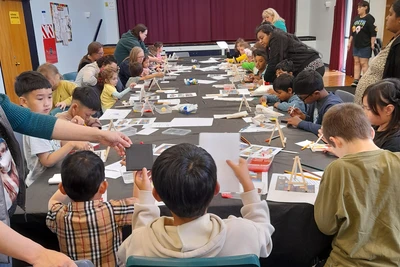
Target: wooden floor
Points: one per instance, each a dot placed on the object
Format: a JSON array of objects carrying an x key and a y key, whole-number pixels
[{"x": 336, "y": 78}]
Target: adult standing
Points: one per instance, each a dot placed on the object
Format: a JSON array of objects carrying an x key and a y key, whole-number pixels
[
  {"x": 364, "y": 35},
  {"x": 94, "y": 52},
  {"x": 281, "y": 45},
  {"x": 270, "y": 15},
  {"x": 387, "y": 63},
  {"x": 132, "y": 38}
]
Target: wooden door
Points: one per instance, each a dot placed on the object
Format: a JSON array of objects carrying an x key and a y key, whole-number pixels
[
  {"x": 14, "y": 47},
  {"x": 387, "y": 35}
]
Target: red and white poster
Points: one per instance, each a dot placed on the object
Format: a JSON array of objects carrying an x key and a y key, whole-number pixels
[{"x": 49, "y": 43}]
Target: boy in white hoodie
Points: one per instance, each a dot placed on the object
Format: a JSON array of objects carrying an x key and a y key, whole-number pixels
[{"x": 185, "y": 178}]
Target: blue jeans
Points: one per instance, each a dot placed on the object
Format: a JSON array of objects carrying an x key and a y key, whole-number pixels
[{"x": 6, "y": 264}]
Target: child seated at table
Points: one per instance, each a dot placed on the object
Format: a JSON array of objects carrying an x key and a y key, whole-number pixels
[
  {"x": 135, "y": 69},
  {"x": 284, "y": 98},
  {"x": 109, "y": 95},
  {"x": 85, "y": 103},
  {"x": 309, "y": 86},
  {"x": 185, "y": 179},
  {"x": 62, "y": 90},
  {"x": 244, "y": 50},
  {"x": 260, "y": 58},
  {"x": 146, "y": 65},
  {"x": 285, "y": 66},
  {"x": 35, "y": 92},
  {"x": 86, "y": 226},
  {"x": 250, "y": 65},
  {"x": 381, "y": 104},
  {"x": 357, "y": 201}
]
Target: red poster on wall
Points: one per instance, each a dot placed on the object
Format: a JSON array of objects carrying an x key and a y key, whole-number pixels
[{"x": 49, "y": 43}]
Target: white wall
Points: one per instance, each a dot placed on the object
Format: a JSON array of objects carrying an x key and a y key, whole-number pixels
[
  {"x": 303, "y": 18},
  {"x": 378, "y": 9},
  {"x": 83, "y": 29}
]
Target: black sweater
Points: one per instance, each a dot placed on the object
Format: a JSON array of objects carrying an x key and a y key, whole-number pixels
[
  {"x": 392, "y": 66},
  {"x": 284, "y": 45}
]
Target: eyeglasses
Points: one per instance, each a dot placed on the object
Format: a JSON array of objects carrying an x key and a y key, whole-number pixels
[{"x": 304, "y": 99}]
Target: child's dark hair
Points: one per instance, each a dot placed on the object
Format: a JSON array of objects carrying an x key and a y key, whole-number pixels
[
  {"x": 106, "y": 60},
  {"x": 88, "y": 97},
  {"x": 135, "y": 69},
  {"x": 364, "y": 4},
  {"x": 283, "y": 82},
  {"x": 81, "y": 174},
  {"x": 381, "y": 94},
  {"x": 307, "y": 82},
  {"x": 138, "y": 29},
  {"x": 285, "y": 65},
  {"x": 28, "y": 81},
  {"x": 146, "y": 57},
  {"x": 185, "y": 177},
  {"x": 260, "y": 53}
]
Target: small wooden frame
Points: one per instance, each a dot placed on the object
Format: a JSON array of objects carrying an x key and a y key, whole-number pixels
[
  {"x": 244, "y": 99},
  {"x": 297, "y": 166},
  {"x": 110, "y": 128},
  {"x": 146, "y": 104},
  {"x": 281, "y": 135}
]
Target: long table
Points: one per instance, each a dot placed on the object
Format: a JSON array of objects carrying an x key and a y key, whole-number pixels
[{"x": 296, "y": 241}]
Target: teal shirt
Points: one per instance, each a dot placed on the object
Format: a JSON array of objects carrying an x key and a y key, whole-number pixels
[
  {"x": 280, "y": 24},
  {"x": 24, "y": 121}
]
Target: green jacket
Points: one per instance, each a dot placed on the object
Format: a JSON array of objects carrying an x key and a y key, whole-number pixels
[{"x": 125, "y": 45}]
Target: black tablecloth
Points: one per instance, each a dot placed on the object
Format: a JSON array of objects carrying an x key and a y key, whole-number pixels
[{"x": 296, "y": 241}]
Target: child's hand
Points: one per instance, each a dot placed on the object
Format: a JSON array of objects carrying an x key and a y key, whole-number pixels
[
  {"x": 296, "y": 112},
  {"x": 82, "y": 145},
  {"x": 263, "y": 99},
  {"x": 242, "y": 173},
  {"x": 62, "y": 105},
  {"x": 276, "y": 105},
  {"x": 142, "y": 180},
  {"x": 159, "y": 74},
  {"x": 132, "y": 85},
  {"x": 294, "y": 121},
  {"x": 78, "y": 120}
]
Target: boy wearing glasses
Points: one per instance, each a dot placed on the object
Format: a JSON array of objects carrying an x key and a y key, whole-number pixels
[{"x": 309, "y": 87}]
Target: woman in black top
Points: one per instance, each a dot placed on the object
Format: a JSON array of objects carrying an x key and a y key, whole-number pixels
[
  {"x": 363, "y": 32},
  {"x": 281, "y": 45},
  {"x": 381, "y": 104}
]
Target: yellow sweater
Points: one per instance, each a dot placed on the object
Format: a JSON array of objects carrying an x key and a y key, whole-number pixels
[
  {"x": 239, "y": 59},
  {"x": 357, "y": 202},
  {"x": 107, "y": 99},
  {"x": 63, "y": 92}
]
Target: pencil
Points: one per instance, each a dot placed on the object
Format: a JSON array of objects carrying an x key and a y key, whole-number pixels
[
  {"x": 287, "y": 151},
  {"x": 312, "y": 167},
  {"x": 305, "y": 176},
  {"x": 319, "y": 139},
  {"x": 244, "y": 140},
  {"x": 312, "y": 173},
  {"x": 267, "y": 140},
  {"x": 291, "y": 111},
  {"x": 304, "y": 147}
]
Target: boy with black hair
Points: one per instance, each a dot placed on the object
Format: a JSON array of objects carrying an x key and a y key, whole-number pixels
[
  {"x": 284, "y": 98},
  {"x": 358, "y": 197},
  {"x": 86, "y": 226},
  {"x": 35, "y": 93},
  {"x": 309, "y": 87},
  {"x": 285, "y": 66},
  {"x": 185, "y": 178},
  {"x": 85, "y": 103}
]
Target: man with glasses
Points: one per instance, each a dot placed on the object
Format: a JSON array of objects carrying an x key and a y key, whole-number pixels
[{"x": 309, "y": 87}]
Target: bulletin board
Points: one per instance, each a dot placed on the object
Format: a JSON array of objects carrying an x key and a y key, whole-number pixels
[{"x": 62, "y": 22}]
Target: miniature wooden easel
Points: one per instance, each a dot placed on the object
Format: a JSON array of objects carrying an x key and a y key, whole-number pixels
[
  {"x": 244, "y": 99},
  {"x": 297, "y": 166},
  {"x": 166, "y": 67},
  {"x": 146, "y": 104},
  {"x": 281, "y": 135},
  {"x": 152, "y": 82},
  {"x": 110, "y": 127}
]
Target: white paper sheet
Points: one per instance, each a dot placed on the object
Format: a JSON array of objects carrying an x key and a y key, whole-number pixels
[
  {"x": 191, "y": 122},
  {"x": 247, "y": 119},
  {"x": 205, "y": 81},
  {"x": 252, "y": 128},
  {"x": 147, "y": 131},
  {"x": 223, "y": 146},
  {"x": 210, "y": 60},
  {"x": 234, "y": 99},
  {"x": 181, "y": 95},
  {"x": 222, "y": 45},
  {"x": 158, "y": 125},
  {"x": 232, "y": 116},
  {"x": 170, "y": 102},
  {"x": 303, "y": 143},
  {"x": 278, "y": 190},
  {"x": 114, "y": 114}
]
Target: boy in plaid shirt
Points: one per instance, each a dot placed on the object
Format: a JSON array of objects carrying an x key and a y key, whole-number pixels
[{"x": 87, "y": 227}]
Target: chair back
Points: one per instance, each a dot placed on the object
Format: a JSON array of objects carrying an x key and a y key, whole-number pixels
[
  {"x": 345, "y": 96},
  {"x": 84, "y": 263},
  {"x": 250, "y": 260},
  {"x": 70, "y": 76}
]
